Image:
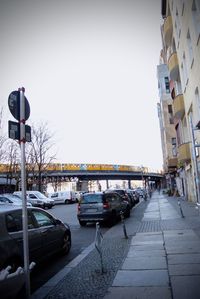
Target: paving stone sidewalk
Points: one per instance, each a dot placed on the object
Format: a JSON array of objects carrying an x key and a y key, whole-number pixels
[{"x": 160, "y": 259}]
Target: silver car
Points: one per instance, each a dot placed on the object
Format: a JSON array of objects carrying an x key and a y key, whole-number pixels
[
  {"x": 102, "y": 207},
  {"x": 13, "y": 200}
]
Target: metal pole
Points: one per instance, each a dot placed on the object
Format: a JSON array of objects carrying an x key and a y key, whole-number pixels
[
  {"x": 196, "y": 175},
  {"x": 24, "y": 199}
]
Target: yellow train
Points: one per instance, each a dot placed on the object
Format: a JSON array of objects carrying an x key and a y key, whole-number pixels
[{"x": 75, "y": 167}]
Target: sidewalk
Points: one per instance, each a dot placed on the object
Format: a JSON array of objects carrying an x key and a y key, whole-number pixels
[{"x": 160, "y": 259}]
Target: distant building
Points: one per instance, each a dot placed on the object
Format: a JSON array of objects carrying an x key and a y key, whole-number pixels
[{"x": 181, "y": 55}]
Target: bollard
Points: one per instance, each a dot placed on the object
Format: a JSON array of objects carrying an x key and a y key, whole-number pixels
[
  {"x": 179, "y": 203},
  {"x": 98, "y": 244},
  {"x": 123, "y": 223}
]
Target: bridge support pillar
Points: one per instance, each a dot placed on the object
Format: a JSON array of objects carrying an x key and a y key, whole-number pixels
[
  {"x": 129, "y": 184},
  {"x": 82, "y": 185}
]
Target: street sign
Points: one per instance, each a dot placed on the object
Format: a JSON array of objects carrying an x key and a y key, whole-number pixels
[
  {"x": 14, "y": 131},
  {"x": 14, "y": 105}
]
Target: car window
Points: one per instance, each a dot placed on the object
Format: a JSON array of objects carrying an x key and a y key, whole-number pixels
[
  {"x": 14, "y": 221},
  {"x": 110, "y": 198},
  {"x": 91, "y": 198},
  {"x": 54, "y": 195},
  {"x": 32, "y": 196},
  {"x": 42, "y": 218},
  {"x": 4, "y": 200}
]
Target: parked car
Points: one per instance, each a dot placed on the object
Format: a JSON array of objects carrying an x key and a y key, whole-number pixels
[
  {"x": 13, "y": 200},
  {"x": 142, "y": 192},
  {"x": 136, "y": 195},
  {"x": 37, "y": 199},
  {"x": 63, "y": 197},
  {"x": 101, "y": 207},
  {"x": 47, "y": 235},
  {"x": 124, "y": 194}
]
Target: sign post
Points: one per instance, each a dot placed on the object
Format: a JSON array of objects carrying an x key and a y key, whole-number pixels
[
  {"x": 20, "y": 109},
  {"x": 23, "y": 181}
]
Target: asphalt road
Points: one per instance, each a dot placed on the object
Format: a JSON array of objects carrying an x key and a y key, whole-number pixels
[{"x": 82, "y": 237}]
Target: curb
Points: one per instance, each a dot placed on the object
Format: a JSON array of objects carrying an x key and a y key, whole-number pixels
[{"x": 52, "y": 282}]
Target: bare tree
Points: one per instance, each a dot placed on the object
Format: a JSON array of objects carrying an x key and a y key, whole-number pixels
[
  {"x": 12, "y": 159},
  {"x": 2, "y": 137},
  {"x": 39, "y": 151}
]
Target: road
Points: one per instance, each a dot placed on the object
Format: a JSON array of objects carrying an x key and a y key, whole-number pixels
[{"x": 82, "y": 237}]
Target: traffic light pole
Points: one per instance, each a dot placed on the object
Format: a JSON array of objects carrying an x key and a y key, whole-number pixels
[{"x": 24, "y": 199}]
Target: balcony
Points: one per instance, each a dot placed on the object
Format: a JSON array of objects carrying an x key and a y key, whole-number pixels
[
  {"x": 168, "y": 29},
  {"x": 172, "y": 162},
  {"x": 173, "y": 66},
  {"x": 184, "y": 152},
  {"x": 179, "y": 108}
]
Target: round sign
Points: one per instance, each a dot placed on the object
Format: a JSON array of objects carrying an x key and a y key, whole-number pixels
[{"x": 14, "y": 105}]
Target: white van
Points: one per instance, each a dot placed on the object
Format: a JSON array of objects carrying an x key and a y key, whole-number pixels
[
  {"x": 63, "y": 197},
  {"x": 37, "y": 199}
]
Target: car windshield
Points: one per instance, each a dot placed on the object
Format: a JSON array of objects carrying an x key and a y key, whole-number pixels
[
  {"x": 91, "y": 198},
  {"x": 40, "y": 195},
  {"x": 121, "y": 192}
]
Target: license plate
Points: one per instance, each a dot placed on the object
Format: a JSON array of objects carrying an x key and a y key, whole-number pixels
[{"x": 91, "y": 210}]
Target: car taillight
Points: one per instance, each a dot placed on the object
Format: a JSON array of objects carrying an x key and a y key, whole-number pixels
[{"x": 106, "y": 205}]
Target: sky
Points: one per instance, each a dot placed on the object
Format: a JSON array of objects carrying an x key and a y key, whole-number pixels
[{"x": 89, "y": 71}]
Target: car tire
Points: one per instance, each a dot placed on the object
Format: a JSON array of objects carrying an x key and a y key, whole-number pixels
[
  {"x": 66, "y": 244},
  {"x": 66, "y": 201},
  {"x": 82, "y": 223}
]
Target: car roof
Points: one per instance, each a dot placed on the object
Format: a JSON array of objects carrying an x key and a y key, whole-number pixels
[{"x": 6, "y": 208}]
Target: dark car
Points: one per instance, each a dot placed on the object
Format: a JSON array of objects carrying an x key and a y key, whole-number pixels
[
  {"x": 101, "y": 207},
  {"x": 135, "y": 195},
  {"x": 125, "y": 195},
  {"x": 47, "y": 235}
]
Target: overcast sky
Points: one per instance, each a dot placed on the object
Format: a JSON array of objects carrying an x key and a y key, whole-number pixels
[{"x": 89, "y": 70}]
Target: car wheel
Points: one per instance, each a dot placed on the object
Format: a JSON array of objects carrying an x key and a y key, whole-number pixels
[
  {"x": 66, "y": 244},
  {"x": 66, "y": 201},
  {"x": 82, "y": 223}
]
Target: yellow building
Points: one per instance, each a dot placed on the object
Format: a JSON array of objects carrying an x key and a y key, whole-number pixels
[{"x": 181, "y": 53}]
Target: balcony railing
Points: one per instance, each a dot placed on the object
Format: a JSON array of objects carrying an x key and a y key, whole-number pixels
[
  {"x": 173, "y": 66},
  {"x": 179, "y": 107},
  {"x": 172, "y": 162},
  {"x": 184, "y": 152},
  {"x": 168, "y": 29}
]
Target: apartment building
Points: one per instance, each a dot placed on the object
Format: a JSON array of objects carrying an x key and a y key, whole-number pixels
[
  {"x": 181, "y": 55},
  {"x": 167, "y": 129}
]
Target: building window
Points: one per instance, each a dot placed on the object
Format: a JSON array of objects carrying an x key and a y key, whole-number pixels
[
  {"x": 170, "y": 111},
  {"x": 190, "y": 50},
  {"x": 178, "y": 135},
  {"x": 174, "y": 151},
  {"x": 174, "y": 141},
  {"x": 196, "y": 17},
  {"x": 167, "y": 85}
]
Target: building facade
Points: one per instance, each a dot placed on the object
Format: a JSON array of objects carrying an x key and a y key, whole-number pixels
[{"x": 180, "y": 54}]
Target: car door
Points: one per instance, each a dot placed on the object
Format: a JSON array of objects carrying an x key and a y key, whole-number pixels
[
  {"x": 13, "y": 220},
  {"x": 52, "y": 233}
]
